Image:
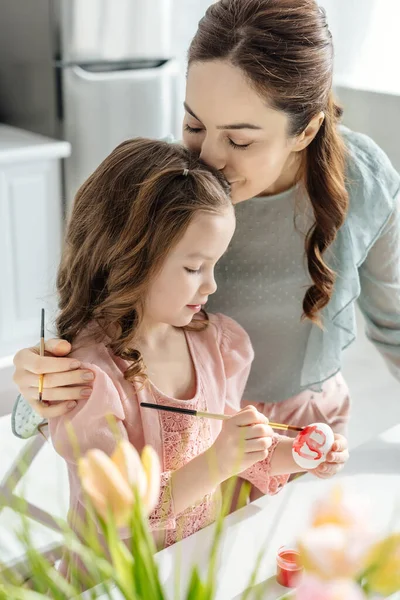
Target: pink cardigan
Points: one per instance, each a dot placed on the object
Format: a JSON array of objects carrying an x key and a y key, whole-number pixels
[{"x": 222, "y": 356}]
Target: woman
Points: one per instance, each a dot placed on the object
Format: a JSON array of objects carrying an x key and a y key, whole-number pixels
[{"x": 318, "y": 219}]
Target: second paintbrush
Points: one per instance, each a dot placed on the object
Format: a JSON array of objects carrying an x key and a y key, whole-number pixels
[
  {"x": 208, "y": 415},
  {"x": 41, "y": 352}
]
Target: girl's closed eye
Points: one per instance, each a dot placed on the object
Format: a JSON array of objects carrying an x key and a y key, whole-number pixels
[{"x": 192, "y": 271}]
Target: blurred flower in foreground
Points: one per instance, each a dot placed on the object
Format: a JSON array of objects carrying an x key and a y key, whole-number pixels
[
  {"x": 333, "y": 552},
  {"x": 343, "y": 508},
  {"x": 383, "y": 575},
  {"x": 109, "y": 481},
  {"x": 340, "y": 554},
  {"x": 312, "y": 588}
]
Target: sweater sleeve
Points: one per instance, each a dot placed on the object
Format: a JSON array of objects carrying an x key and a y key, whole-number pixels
[
  {"x": 98, "y": 422},
  {"x": 380, "y": 292}
]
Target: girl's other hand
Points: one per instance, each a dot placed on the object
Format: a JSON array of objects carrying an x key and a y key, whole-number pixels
[
  {"x": 335, "y": 460},
  {"x": 64, "y": 381}
]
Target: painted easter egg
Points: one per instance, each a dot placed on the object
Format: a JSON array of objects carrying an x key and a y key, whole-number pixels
[{"x": 312, "y": 445}]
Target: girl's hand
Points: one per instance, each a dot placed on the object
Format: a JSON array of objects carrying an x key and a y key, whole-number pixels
[
  {"x": 335, "y": 460},
  {"x": 64, "y": 382},
  {"x": 244, "y": 440}
]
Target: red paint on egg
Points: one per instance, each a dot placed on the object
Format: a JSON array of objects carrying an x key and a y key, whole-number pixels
[{"x": 304, "y": 439}]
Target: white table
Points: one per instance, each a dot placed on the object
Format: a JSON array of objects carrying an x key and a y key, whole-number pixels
[
  {"x": 45, "y": 485},
  {"x": 373, "y": 470}
]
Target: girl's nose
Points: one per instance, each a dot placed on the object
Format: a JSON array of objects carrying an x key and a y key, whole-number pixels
[{"x": 209, "y": 287}]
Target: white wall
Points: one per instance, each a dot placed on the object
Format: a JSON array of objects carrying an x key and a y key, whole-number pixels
[
  {"x": 187, "y": 14},
  {"x": 365, "y": 35},
  {"x": 367, "y": 71}
]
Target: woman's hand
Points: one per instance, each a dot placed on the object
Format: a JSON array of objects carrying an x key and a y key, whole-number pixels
[
  {"x": 335, "y": 460},
  {"x": 64, "y": 382},
  {"x": 245, "y": 439}
]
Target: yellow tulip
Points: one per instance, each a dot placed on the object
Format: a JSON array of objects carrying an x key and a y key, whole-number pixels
[
  {"x": 385, "y": 556},
  {"x": 105, "y": 486},
  {"x": 152, "y": 470},
  {"x": 109, "y": 481},
  {"x": 127, "y": 460}
]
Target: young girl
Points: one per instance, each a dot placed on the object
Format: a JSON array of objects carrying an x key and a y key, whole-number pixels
[{"x": 146, "y": 232}]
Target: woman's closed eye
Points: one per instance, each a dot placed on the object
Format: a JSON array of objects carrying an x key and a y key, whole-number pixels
[
  {"x": 192, "y": 129},
  {"x": 192, "y": 271},
  {"x": 238, "y": 146},
  {"x": 233, "y": 144}
]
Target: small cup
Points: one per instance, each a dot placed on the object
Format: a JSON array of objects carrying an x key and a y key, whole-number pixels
[{"x": 288, "y": 568}]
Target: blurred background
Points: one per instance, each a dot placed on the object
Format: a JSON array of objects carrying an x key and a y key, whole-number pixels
[{"x": 88, "y": 74}]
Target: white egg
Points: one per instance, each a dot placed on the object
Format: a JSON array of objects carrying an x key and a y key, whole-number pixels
[{"x": 312, "y": 445}]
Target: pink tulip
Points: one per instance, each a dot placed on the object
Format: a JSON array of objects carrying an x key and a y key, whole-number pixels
[
  {"x": 312, "y": 588},
  {"x": 344, "y": 508},
  {"x": 332, "y": 552}
]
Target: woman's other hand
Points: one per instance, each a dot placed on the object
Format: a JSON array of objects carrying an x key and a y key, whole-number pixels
[{"x": 64, "y": 382}]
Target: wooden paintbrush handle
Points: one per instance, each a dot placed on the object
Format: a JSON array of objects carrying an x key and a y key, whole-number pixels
[{"x": 208, "y": 415}]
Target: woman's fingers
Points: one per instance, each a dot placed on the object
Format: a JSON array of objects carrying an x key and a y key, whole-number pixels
[
  {"x": 49, "y": 364},
  {"x": 63, "y": 379},
  {"x": 59, "y": 394},
  {"x": 57, "y": 347},
  {"x": 53, "y": 410},
  {"x": 78, "y": 377},
  {"x": 29, "y": 360}
]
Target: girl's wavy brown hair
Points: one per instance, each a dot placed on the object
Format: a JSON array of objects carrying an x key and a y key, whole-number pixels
[
  {"x": 126, "y": 218},
  {"x": 285, "y": 49}
]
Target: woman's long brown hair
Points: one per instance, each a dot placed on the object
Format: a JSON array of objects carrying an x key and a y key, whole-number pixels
[
  {"x": 284, "y": 47},
  {"x": 126, "y": 218}
]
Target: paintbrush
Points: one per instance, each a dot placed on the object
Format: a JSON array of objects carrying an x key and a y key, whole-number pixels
[
  {"x": 41, "y": 352},
  {"x": 209, "y": 415}
]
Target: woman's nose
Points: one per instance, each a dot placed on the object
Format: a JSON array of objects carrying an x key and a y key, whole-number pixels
[{"x": 212, "y": 155}]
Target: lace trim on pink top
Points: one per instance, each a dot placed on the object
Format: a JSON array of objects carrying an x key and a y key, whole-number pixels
[
  {"x": 184, "y": 438},
  {"x": 259, "y": 476},
  {"x": 163, "y": 516}
]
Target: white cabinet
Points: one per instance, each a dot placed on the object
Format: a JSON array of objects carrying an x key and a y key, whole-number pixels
[{"x": 30, "y": 233}]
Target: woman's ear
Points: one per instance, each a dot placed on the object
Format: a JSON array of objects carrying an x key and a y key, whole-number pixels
[{"x": 306, "y": 137}]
